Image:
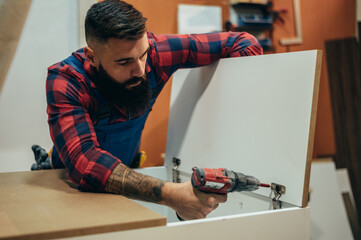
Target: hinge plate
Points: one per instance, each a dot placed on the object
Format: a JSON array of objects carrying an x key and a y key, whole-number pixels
[{"x": 278, "y": 191}]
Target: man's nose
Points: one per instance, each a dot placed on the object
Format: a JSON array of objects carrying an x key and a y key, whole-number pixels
[{"x": 138, "y": 69}]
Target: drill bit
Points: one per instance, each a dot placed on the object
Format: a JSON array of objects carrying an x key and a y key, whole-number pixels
[{"x": 264, "y": 185}]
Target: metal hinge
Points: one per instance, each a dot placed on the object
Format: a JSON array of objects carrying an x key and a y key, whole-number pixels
[
  {"x": 278, "y": 191},
  {"x": 176, "y": 163}
]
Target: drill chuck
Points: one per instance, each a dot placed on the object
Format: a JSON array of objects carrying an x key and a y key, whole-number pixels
[{"x": 246, "y": 183}]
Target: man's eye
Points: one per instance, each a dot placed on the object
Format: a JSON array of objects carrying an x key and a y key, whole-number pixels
[
  {"x": 143, "y": 57},
  {"x": 123, "y": 63}
]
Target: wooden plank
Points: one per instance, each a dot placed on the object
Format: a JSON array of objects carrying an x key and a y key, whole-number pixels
[
  {"x": 352, "y": 216},
  {"x": 312, "y": 126},
  {"x": 43, "y": 205},
  {"x": 254, "y": 115},
  {"x": 13, "y": 15},
  {"x": 343, "y": 63}
]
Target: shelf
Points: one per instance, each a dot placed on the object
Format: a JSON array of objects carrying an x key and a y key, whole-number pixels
[
  {"x": 253, "y": 28},
  {"x": 256, "y": 19},
  {"x": 249, "y": 5}
]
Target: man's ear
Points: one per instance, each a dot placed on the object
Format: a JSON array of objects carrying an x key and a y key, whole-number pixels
[{"x": 90, "y": 56}]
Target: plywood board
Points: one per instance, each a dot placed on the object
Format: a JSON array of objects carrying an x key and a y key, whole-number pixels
[
  {"x": 254, "y": 115},
  {"x": 291, "y": 224},
  {"x": 41, "y": 205}
]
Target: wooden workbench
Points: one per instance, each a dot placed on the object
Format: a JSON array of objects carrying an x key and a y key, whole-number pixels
[{"x": 44, "y": 204}]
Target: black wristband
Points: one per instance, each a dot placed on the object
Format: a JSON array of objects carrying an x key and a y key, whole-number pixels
[{"x": 179, "y": 218}]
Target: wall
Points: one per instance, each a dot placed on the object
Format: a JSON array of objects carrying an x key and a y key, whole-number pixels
[
  {"x": 49, "y": 35},
  {"x": 322, "y": 20}
]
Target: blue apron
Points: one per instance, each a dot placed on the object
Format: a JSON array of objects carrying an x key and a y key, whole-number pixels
[{"x": 121, "y": 139}]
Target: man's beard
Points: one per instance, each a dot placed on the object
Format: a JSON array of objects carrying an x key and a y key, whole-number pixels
[{"x": 134, "y": 100}]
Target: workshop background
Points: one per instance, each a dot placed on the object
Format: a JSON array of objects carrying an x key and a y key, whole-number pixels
[{"x": 35, "y": 34}]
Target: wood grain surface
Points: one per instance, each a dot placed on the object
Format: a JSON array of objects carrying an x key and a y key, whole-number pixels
[{"x": 44, "y": 204}]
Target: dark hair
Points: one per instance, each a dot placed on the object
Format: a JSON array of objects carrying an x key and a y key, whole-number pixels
[{"x": 113, "y": 19}]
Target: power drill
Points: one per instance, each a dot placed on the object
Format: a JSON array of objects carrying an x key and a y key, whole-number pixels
[{"x": 222, "y": 181}]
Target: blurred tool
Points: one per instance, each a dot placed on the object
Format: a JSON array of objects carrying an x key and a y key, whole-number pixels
[
  {"x": 139, "y": 160},
  {"x": 42, "y": 159}
]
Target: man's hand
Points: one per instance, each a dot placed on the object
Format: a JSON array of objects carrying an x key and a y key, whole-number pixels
[{"x": 188, "y": 202}]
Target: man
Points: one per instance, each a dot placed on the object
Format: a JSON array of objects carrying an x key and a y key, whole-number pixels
[{"x": 100, "y": 97}]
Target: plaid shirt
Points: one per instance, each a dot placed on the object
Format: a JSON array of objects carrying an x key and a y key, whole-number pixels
[{"x": 70, "y": 103}]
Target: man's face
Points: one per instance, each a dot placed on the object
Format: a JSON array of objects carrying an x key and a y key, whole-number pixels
[
  {"x": 120, "y": 75},
  {"x": 122, "y": 59}
]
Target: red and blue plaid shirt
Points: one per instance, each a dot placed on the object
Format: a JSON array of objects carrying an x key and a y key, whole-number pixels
[{"x": 70, "y": 102}]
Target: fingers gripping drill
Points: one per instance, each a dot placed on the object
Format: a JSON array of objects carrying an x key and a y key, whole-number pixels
[{"x": 222, "y": 181}]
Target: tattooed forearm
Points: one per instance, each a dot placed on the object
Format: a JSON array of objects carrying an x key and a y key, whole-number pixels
[{"x": 127, "y": 182}]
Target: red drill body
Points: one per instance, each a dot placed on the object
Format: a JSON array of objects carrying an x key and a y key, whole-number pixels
[{"x": 221, "y": 180}]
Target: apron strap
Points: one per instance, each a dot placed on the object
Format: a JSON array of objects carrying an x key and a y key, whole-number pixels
[{"x": 104, "y": 112}]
